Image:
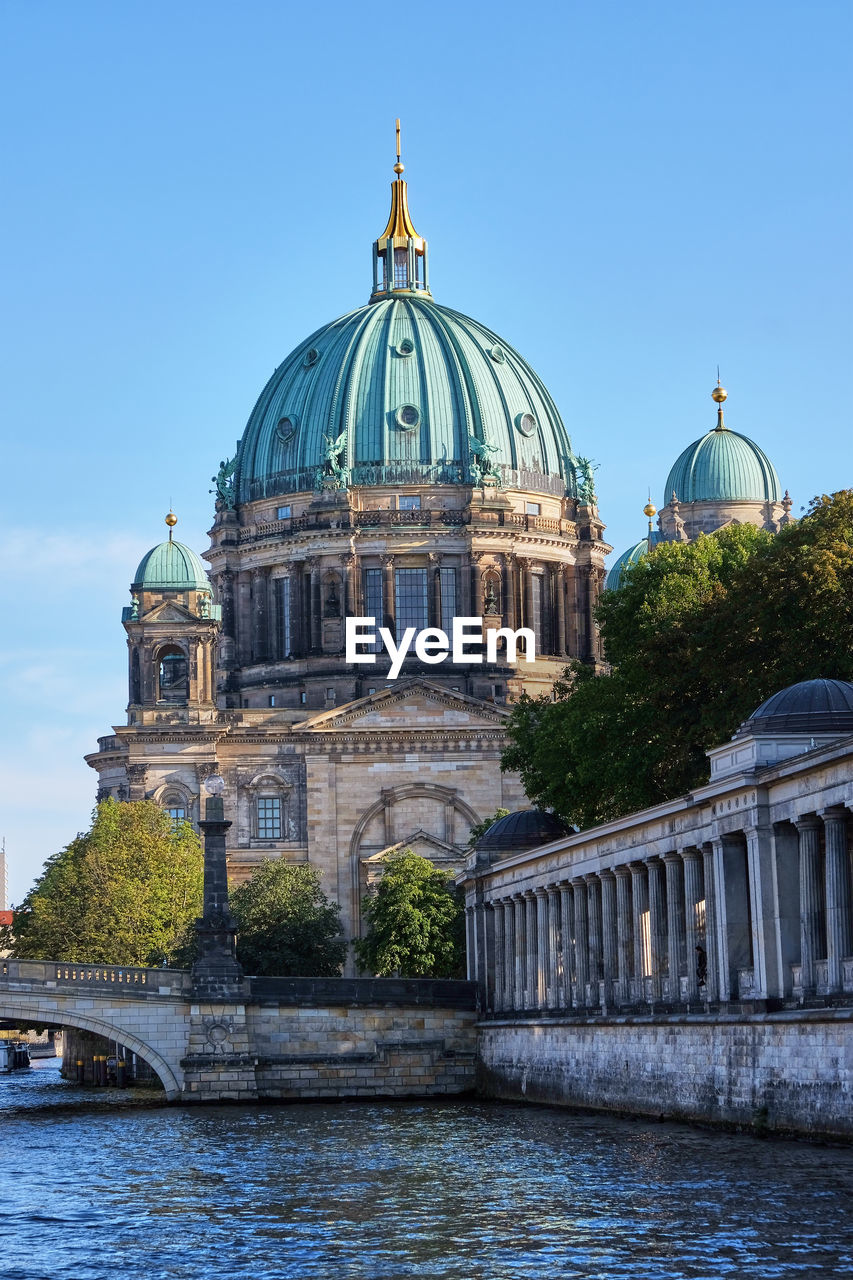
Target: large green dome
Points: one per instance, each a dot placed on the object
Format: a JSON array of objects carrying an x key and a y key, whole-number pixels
[
  {"x": 170, "y": 566},
  {"x": 723, "y": 467},
  {"x": 410, "y": 382}
]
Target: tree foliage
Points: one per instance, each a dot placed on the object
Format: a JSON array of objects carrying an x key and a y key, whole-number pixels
[
  {"x": 415, "y": 922},
  {"x": 697, "y": 636},
  {"x": 123, "y": 892},
  {"x": 286, "y": 924}
]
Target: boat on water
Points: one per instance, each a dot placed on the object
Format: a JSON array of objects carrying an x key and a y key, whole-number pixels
[{"x": 14, "y": 1055}]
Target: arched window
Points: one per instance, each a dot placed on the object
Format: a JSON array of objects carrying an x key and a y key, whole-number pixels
[
  {"x": 172, "y": 675},
  {"x": 177, "y": 805}
]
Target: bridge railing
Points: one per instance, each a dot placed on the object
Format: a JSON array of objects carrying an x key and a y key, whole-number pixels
[{"x": 53, "y": 973}]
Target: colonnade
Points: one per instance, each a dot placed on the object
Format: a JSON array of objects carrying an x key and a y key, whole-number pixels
[
  {"x": 757, "y": 913},
  {"x": 556, "y": 600}
]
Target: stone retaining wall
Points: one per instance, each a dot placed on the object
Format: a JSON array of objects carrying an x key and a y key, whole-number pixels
[{"x": 783, "y": 1072}]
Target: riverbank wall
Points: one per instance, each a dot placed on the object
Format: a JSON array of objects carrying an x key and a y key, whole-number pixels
[{"x": 789, "y": 1072}]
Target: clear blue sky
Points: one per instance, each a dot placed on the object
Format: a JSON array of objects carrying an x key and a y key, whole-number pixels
[{"x": 628, "y": 192}]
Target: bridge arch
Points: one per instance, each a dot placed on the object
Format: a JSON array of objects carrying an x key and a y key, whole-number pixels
[{"x": 18, "y": 1010}]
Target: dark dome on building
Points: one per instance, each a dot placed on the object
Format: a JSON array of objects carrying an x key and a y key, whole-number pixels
[
  {"x": 812, "y": 706},
  {"x": 524, "y": 829}
]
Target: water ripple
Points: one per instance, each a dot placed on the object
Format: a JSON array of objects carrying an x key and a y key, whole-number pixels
[{"x": 96, "y": 1184}]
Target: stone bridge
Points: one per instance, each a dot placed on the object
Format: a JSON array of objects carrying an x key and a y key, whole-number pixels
[{"x": 281, "y": 1038}]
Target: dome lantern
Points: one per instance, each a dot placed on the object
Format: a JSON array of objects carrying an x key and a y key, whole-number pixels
[{"x": 400, "y": 254}]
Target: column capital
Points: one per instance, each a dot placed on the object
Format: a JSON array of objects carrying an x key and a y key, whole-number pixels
[
  {"x": 807, "y": 822},
  {"x": 690, "y": 853},
  {"x": 672, "y": 858},
  {"x": 609, "y": 873},
  {"x": 540, "y": 892},
  {"x": 623, "y": 871},
  {"x": 834, "y": 811},
  {"x": 578, "y": 882},
  {"x": 435, "y": 557}
]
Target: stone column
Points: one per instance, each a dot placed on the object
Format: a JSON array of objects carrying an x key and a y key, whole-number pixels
[
  {"x": 435, "y": 589},
  {"x": 470, "y": 945},
  {"x": 387, "y": 563},
  {"x": 520, "y": 951},
  {"x": 543, "y": 980},
  {"x": 712, "y": 980},
  {"x": 497, "y": 975},
  {"x": 810, "y": 943},
  {"x": 510, "y": 593},
  {"x": 477, "y": 584},
  {"x": 259, "y": 614},
  {"x": 575, "y": 644},
  {"x": 640, "y": 895},
  {"x": 692, "y": 897},
  {"x": 560, "y": 611},
  {"x": 531, "y": 992},
  {"x": 609, "y": 944},
  {"x": 527, "y": 595},
  {"x": 316, "y": 606},
  {"x": 838, "y": 942},
  {"x": 298, "y": 642},
  {"x": 555, "y": 968},
  {"x": 508, "y": 907},
  {"x": 675, "y": 924},
  {"x": 566, "y": 939},
  {"x": 216, "y": 973},
  {"x": 624, "y": 933},
  {"x": 657, "y": 923},
  {"x": 593, "y": 900},
  {"x": 581, "y": 938}
]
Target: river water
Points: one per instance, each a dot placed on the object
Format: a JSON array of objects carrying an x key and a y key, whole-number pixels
[{"x": 97, "y": 1185}]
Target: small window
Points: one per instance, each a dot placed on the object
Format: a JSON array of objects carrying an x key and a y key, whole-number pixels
[
  {"x": 272, "y": 699},
  {"x": 330, "y": 693},
  {"x": 303, "y": 697},
  {"x": 532, "y": 508},
  {"x": 372, "y": 690},
  {"x": 409, "y": 502},
  {"x": 177, "y": 813},
  {"x": 269, "y": 817},
  {"x": 282, "y": 513}
]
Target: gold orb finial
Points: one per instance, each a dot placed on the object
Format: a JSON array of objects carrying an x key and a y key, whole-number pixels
[
  {"x": 171, "y": 519},
  {"x": 650, "y": 510},
  {"x": 719, "y": 394}
]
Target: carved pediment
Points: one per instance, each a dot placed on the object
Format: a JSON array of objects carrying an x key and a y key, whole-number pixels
[
  {"x": 424, "y": 843},
  {"x": 169, "y": 611},
  {"x": 408, "y": 704}
]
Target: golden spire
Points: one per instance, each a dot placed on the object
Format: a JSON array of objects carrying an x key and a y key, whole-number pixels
[
  {"x": 400, "y": 229},
  {"x": 719, "y": 394},
  {"x": 171, "y": 521}
]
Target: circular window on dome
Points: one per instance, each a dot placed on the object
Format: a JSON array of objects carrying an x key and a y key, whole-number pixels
[
  {"x": 312, "y": 355},
  {"x": 497, "y": 354},
  {"x": 406, "y": 347},
  {"x": 286, "y": 428},
  {"x": 407, "y": 417},
  {"x": 526, "y": 423}
]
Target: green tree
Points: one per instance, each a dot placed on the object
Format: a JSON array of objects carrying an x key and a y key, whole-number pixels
[
  {"x": 286, "y": 924},
  {"x": 697, "y": 637},
  {"x": 121, "y": 893},
  {"x": 480, "y": 828},
  {"x": 415, "y": 922}
]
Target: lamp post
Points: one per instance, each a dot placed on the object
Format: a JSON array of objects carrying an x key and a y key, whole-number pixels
[{"x": 216, "y": 971}]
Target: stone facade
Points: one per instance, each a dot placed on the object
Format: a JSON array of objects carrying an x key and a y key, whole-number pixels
[{"x": 785, "y": 1072}]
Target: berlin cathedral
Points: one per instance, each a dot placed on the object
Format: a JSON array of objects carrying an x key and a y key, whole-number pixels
[{"x": 403, "y": 463}]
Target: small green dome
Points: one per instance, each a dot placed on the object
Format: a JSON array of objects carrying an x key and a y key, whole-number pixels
[
  {"x": 410, "y": 382},
  {"x": 170, "y": 566},
  {"x": 723, "y": 467},
  {"x": 614, "y": 576}
]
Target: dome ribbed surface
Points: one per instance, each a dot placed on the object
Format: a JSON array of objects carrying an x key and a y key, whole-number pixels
[
  {"x": 524, "y": 829},
  {"x": 170, "y": 566},
  {"x": 410, "y": 382},
  {"x": 614, "y": 575},
  {"x": 723, "y": 466},
  {"x": 812, "y": 706}
]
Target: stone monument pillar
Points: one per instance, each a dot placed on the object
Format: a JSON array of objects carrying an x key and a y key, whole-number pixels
[{"x": 216, "y": 972}]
